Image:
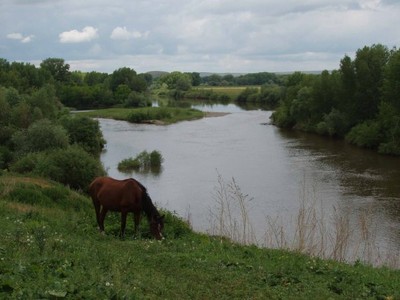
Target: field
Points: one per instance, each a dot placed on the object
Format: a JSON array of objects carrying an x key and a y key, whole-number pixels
[{"x": 50, "y": 249}]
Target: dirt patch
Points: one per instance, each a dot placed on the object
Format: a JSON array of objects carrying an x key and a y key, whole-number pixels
[
  {"x": 212, "y": 114},
  {"x": 21, "y": 207},
  {"x": 12, "y": 180}
]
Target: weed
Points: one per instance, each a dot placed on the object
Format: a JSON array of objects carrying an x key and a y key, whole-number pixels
[{"x": 230, "y": 217}]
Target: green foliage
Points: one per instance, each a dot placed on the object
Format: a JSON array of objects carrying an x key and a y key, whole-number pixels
[
  {"x": 144, "y": 162},
  {"x": 71, "y": 166},
  {"x": 366, "y": 135},
  {"x": 248, "y": 95},
  {"x": 177, "y": 81},
  {"x": 56, "y": 68},
  {"x": 333, "y": 124},
  {"x": 360, "y": 101},
  {"x": 85, "y": 132},
  {"x": 41, "y": 135},
  {"x": 128, "y": 77},
  {"x": 136, "y": 99}
]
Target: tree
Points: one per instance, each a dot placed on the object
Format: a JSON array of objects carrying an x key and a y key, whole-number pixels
[
  {"x": 45, "y": 99},
  {"x": 94, "y": 78},
  {"x": 128, "y": 77},
  {"x": 57, "y": 69},
  {"x": 369, "y": 66},
  {"x": 177, "y": 81}
]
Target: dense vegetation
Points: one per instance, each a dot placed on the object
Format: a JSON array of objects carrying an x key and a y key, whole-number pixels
[
  {"x": 359, "y": 102},
  {"x": 50, "y": 249},
  {"x": 40, "y": 138},
  {"x": 143, "y": 162}
]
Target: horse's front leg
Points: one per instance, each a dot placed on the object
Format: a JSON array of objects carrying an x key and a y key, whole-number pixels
[
  {"x": 136, "y": 217},
  {"x": 123, "y": 222}
]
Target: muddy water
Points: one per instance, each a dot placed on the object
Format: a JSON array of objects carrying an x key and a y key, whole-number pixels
[{"x": 277, "y": 169}]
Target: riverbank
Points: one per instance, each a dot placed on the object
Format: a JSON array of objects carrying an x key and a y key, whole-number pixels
[
  {"x": 50, "y": 248},
  {"x": 151, "y": 115}
]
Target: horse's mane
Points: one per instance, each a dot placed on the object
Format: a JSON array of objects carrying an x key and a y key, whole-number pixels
[{"x": 148, "y": 206}]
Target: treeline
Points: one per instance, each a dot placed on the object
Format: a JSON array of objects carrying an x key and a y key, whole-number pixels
[
  {"x": 124, "y": 87},
  {"x": 359, "y": 102},
  {"x": 262, "y": 88},
  {"x": 38, "y": 136},
  {"x": 260, "y": 78}
]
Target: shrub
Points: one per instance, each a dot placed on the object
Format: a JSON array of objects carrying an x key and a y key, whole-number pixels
[
  {"x": 148, "y": 114},
  {"x": 366, "y": 135},
  {"x": 144, "y": 161},
  {"x": 136, "y": 99},
  {"x": 248, "y": 95},
  {"x": 41, "y": 135},
  {"x": 85, "y": 132},
  {"x": 28, "y": 163},
  {"x": 72, "y": 166}
]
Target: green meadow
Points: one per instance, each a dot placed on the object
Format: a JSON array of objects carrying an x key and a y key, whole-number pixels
[{"x": 50, "y": 248}]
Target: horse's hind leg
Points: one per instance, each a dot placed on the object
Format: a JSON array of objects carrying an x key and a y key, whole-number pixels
[
  {"x": 103, "y": 213},
  {"x": 97, "y": 209}
]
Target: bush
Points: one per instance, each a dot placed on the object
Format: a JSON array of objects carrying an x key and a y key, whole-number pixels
[
  {"x": 85, "y": 132},
  {"x": 148, "y": 114},
  {"x": 28, "y": 163},
  {"x": 248, "y": 95},
  {"x": 72, "y": 166},
  {"x": 366, "y": 135},
  {"x": 136, "y": 99},
  {"x": 333, "y": 124},
  {"x": 144, "y": 161},
  {"x": 41, "y": 135}
]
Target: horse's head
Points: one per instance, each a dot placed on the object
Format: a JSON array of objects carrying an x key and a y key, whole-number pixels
[{"x": 157, "y": 226}]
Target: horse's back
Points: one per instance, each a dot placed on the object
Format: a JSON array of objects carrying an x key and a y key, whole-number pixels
[{"x": 115, "y": 194}]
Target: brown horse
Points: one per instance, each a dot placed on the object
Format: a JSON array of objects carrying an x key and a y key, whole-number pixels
[{"x": 124, "y": 196}]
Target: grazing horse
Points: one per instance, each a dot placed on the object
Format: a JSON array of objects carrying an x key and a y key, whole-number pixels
[{"x": 124, "y": 196}]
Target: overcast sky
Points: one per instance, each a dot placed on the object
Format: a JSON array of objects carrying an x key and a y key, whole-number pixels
[{"x": 195, "y": 35}]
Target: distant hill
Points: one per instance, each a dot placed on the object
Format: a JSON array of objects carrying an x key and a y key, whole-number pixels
[{"x": 157, "y": 74}]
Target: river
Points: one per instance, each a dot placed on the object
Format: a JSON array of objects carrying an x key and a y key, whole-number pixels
[{"x": 279, "y": 172}]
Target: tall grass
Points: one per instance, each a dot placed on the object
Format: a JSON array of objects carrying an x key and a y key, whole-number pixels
[
  {"x": 230, "y": 217},
  {"x": 336, "y": 233}
]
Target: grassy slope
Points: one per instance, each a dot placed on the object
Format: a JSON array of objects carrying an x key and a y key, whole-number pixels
[{"x": 49, "y": 248}]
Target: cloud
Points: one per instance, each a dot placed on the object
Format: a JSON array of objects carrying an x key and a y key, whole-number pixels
[
  {"x": 121, "y": 33},
  {"x": 74, "y": 36},
  {"x": 20, "y": 37}
]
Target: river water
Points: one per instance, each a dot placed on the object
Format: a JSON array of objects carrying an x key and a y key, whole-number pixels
[{"x": 279, "y": 171}]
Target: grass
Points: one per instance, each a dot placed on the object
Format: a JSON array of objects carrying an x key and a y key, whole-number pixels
[
  {"x": 153, "y": 115},
  {"x": 50, "y": 249}
]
